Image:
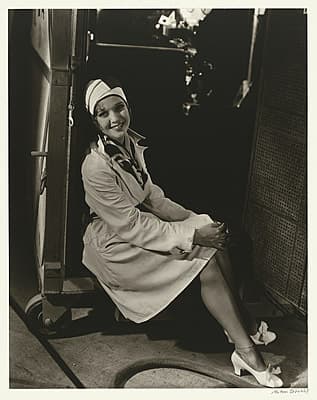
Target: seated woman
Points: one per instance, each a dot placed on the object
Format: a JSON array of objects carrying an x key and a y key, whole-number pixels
[{"x": 146, "y": 249}]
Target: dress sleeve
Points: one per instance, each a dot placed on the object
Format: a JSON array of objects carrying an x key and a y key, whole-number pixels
[{"x": 142, "y": 229}]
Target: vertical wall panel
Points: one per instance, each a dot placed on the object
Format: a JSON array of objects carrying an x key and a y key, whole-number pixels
[{"x": 275, "y": 213}]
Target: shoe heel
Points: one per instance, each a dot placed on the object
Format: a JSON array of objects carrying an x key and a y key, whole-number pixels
[
  {"x": 236, "y": 367},
  {"x": 237, "y": 370}
]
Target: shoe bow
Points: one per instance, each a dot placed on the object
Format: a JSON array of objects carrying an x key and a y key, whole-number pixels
[
  {"x": 274, "y": 370},
  {"x": 263, "y": 335}
]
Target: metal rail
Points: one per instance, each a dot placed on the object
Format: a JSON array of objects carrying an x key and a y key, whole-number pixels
[{"x": 132, "y": 46}]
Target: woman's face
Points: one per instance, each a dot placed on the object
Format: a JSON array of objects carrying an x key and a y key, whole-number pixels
[{"x": 112, "y": 117}]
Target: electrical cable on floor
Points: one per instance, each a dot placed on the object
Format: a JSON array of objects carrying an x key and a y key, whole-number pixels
[{"x": 126, "y": 373}]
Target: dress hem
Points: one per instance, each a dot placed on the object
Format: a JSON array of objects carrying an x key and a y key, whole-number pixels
[{"x": 161, "y": 308}]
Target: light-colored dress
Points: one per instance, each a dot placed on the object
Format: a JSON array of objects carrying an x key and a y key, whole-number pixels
[{"x": 142, "y": 259}]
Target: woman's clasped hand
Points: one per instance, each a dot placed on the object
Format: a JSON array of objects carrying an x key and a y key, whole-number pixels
[{"x": 211, "y": 235}]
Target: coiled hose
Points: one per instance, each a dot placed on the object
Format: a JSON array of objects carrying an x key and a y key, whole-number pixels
[{"x": 126, "y": 373}]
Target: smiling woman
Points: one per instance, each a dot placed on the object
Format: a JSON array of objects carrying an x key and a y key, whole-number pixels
[
  {"x": 110, "y": 113},
  {"x": 112, "y": 117},
  {"x": 146, "y": 249}
]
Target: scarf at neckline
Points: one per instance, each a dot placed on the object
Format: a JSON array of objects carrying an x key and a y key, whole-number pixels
[{"x": 126, "y": 159}]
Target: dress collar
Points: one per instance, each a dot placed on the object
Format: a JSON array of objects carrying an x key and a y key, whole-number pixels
[{"x": 135, "y": 136}]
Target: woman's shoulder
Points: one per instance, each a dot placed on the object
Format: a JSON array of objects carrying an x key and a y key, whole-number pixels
[{"x": 93, "y": 163}]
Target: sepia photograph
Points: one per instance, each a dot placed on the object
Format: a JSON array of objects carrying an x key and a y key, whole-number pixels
[{"x": 157, "y": 199}]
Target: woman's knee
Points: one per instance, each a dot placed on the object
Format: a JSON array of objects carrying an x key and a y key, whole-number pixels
[{"x": 211, "y": 274}]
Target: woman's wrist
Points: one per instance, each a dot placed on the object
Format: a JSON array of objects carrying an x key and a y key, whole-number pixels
[{"x": 195, "y": 237}]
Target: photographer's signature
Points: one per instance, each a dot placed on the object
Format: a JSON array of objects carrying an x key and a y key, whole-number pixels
[{"x": 290, "y": 391}]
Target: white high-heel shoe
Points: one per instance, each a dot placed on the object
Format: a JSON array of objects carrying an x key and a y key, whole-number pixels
[
  {"x": 263, "y": 335},
  {"x": 266, "y": 378}
]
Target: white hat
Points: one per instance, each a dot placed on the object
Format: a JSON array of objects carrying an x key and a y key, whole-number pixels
[{"x": 98, "y": 90}]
